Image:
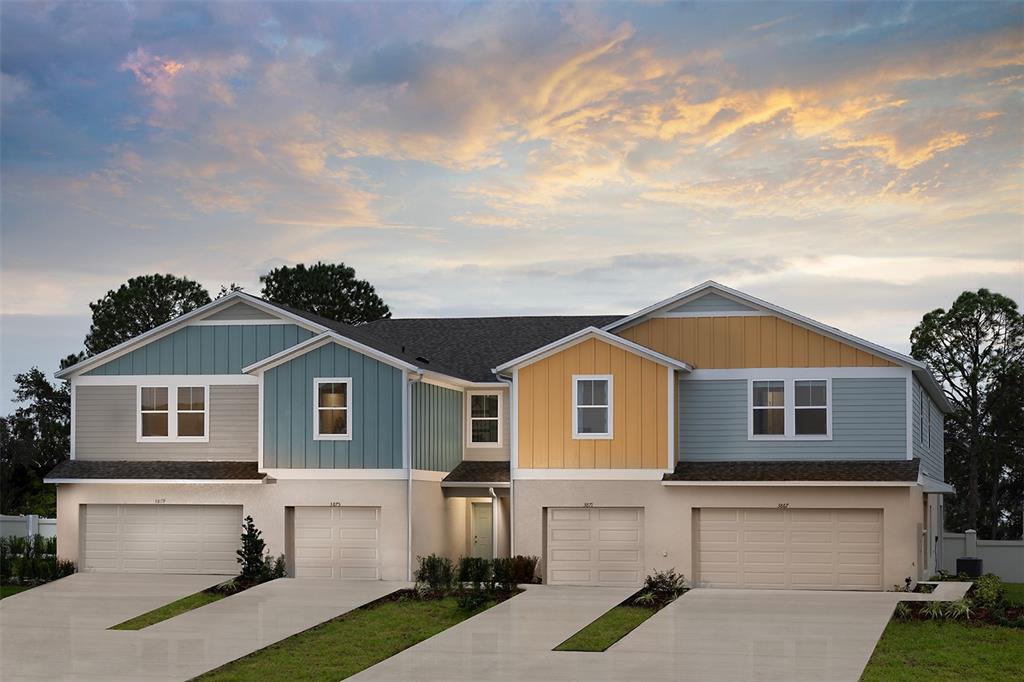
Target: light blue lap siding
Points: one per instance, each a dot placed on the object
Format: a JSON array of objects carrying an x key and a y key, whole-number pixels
[
  {"x": 375, "y": 417},
  {"x": 928, "y": 433},
  {"x": 436, "y": 427},
  {"x": 868, "y": 422},
  {"x": 221, "y": 349}
]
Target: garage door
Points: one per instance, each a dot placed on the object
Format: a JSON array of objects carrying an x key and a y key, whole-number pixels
[
  {"x": 162, "y": 538},
  {"x": 337, "y": 542},
  {"x": 791, "y": 548},
  {"x": 595, "y": 546}
]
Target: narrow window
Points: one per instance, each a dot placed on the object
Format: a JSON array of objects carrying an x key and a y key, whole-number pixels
[
  {"x": 769, "y": 407},
  {"x": 333, "y": 418},
  {"x": 484, "y": 419},
  {"x": 592, "y": 407},
  {"x": 811, "y": 408},
  {"x": 191, "y": 411},
  {"x": 155, "y": 413}
]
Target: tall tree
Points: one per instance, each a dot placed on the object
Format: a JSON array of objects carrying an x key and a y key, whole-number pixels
[
  {"x": 972, "y": 346},
  {"x": 330, "y": 290},
  {"x": 139, "y": 305},
  {"x": 33, "y": 440}
]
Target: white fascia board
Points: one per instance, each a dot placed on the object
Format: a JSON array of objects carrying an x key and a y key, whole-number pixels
[
  {"x": 475, "y": 484},
  {"x": 427, "y": 475},
  {"x": 448, "y": 381},
  {"x": 794, "y": 484},
  {"x": 932, "y": 485},
  {"x": 167, "y": 327},
  {"x": 581, "y": 336},
  {"x": 337, "y": 474},
  {"x": 158, "y": 481},
  {"x": 314, "y": 342},
  {"x": 798, "y": 373},
  {"x": 168, "y": 379},
  {"x": 742, "y": 297}
]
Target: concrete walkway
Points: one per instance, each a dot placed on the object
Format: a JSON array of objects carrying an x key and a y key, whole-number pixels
[{"x": 59, "y": 631}]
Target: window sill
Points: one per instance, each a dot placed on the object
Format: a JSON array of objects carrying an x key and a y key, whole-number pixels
[
  {"x": 331, "y": 437},
  {"x": 592, "y": 436},
  {"x": 788, "y": 438},
  {"x": 168, "y": 439}
]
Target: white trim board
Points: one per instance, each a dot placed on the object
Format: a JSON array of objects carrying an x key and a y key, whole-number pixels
[
  {"x": 761, "y": 373},
  {"x": 172, "y": 412},
  {"x": 337, "y": 474},
  {"x": 182, "y": 379},
  {"x": 170, "y": 326},
  {"x": 157, "y": 481},
  {"x": 589, "y": 474},
  {"x": 609, "y": 408},
  {"x": 468, "y": 442},
  {"x": 428, "y": 475},
  {"x": 323, "y": 339},
  {"x": 476, "y": 484},
  {"x": 794, "y": 484},
  {"x": 584, "y": 335},
  {"x": 349, "y": 408}
]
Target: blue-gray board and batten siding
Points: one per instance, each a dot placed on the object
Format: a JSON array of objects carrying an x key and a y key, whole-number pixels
[
  {"x": 928, "y": 433},
  {"x": 375, "y": 417},
  {"x": 437, "y": 430},
  {"x": 215, "y": 349},
  {"x": 869, "y": 419}
]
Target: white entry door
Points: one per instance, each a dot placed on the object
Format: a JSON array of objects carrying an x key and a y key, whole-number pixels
[
  {"x": 825, "y": 549},
  {"x": 595, "y": 546},
  {"x": 161, "y": 538},
  {"x": 337, "y": 542},
  {"x": 483, "y": 531}
]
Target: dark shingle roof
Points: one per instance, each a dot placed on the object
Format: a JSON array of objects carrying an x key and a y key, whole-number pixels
[
  {"x": 469, "y": 347},
  {"x": 479, "y": 472},
  {"x": 840, "y": 470},
  {"x": 193, "y": 471}
]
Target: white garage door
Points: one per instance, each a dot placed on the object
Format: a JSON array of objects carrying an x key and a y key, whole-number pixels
[
  {"x": 595, "y": 546},
  {"x": 162, "y": 538},
  {"x": 337, "y": 542},
  {"x": 824, "y": 549}
]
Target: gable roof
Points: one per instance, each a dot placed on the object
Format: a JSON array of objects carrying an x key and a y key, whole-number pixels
[
  {"x": 319, "y": 340},
  {"x": 920, "y": 369},
  {"x": 199, "y": 313},
  {"x": 588, "y": 333}
]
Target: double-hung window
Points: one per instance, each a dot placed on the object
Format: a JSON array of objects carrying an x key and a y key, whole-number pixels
[
  {"x": 784, "y": 409},
  {"x": 485, "y": 419},
  {"x": 332, "y": 419},
  {"x": 592, "y": 406},
  {"x": 173, "y": 413}
]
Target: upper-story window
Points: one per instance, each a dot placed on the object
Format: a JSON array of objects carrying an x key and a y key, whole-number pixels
[
  {"x": 333, "y": 416},
  {"x": 592, "y": 406},
  {"x": 485, "y": 419},
  {"x": 173, "y": 413},
  {"x": 796, "y": 409}
]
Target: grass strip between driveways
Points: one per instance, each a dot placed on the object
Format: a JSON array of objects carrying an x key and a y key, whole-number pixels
[
  {"x": 946, "y": 651},
  {"x": 352, "y": 642},
  {"x": 175, "y": 608},
  {"x": 608, "y": 629},
  {"x": 11, "y": 590},
  {"x": 1014, "y": 593}
]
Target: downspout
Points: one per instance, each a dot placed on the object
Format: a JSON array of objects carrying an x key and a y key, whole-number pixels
[
  {"x": 407, "y": 445},
  {"x": 512, "y": 411}
]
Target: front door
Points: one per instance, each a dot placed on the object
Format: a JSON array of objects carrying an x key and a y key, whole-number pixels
[{"x": 482, "y": 531}]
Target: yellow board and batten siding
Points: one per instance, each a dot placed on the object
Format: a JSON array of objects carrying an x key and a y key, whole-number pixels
[
  {"x": 639, "y": 411},
  {"x": 736, "y": 342}
]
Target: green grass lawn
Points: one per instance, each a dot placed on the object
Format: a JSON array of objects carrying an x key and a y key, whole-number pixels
[
  {"x": 347, "y": 644},
  {"x": 608, "y": 629},
  {"x": 8, "y": 590},
  {"x": 175, "y": 608},
  {"x": 937, "y": 651},
  {"x": 1015, "y": 593}
]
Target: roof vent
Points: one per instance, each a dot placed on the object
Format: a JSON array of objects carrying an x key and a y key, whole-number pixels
[{"x": 420, "y": 358}]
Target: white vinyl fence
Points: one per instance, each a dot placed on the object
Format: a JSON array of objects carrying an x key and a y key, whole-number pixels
[
  {"x": 1005, "y": 558},
  {"x": 24, "y": 526}
]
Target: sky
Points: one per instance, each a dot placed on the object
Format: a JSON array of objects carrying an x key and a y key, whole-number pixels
[{"x": 858, "y": 163}]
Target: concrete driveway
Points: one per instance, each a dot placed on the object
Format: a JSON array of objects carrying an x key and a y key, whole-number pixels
[
  {"x": 705, "y": 635},
  {"x": 59, "y": 631}
]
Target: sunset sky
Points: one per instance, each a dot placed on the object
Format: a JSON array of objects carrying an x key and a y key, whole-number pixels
[{"x": 858, "y": 163}]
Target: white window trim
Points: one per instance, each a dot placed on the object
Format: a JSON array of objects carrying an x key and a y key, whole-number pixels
[
  {"x": 172, "y": 413},
  {"x": 470, "y": 443},
  {"x": 348, "y": 408},
  {"x": 576, "y": 378},
  {"x": 789, "y": 430}
]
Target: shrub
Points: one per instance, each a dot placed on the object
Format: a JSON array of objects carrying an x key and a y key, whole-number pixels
[
  {"x": 258, "y": 566},
  {"x": 958, "y": 610},
  {"x": 435, "y": 574},
  {"x": 661, "y": 588},
  {"x": 504, "y": 574},
  {"x": 524, "y": 569},
  {"x": 31, "y": 560},
  {"x": 274, "y": 568},
  {"x": 988, "y": 592},
  {"x": 902, "y": 611},
  {"x": 934, "y": 610},
  {"x": 471, "y": 600},
  {"x": 475, "y": 571}
]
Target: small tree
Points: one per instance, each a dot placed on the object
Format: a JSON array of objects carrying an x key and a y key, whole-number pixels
[
  {"x": 250, "y": 556},
  {"x": 330, "y": 290}
]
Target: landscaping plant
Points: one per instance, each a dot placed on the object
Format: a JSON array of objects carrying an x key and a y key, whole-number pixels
[
  {"x": 31, "y": 561},
  {"x": 258, "y": 566},
  {"x": 435, "y": 574},
  {"x": 988, "y": 592},
  {"x": 661, "y": 588}
]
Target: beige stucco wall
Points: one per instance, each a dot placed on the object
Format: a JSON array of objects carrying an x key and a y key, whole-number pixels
[
  {"x": 265, "y": 502},
  {"x": 668, "y": 515}
]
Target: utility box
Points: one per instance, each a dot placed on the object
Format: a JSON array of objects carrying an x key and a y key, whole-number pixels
[{"x": 969, "y": 566}]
